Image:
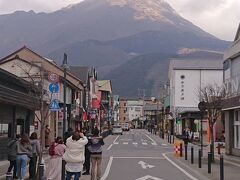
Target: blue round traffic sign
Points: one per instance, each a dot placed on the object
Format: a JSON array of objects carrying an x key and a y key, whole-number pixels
[{"x": 53, "y": 88}]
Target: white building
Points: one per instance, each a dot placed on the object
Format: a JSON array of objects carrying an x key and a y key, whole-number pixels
[
  {"x": 134, "y": 109},
  {"x": 231, "y": 105},
  {"x": 186, "y": 78}
]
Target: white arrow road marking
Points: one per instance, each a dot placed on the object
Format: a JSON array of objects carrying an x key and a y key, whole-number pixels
[
  {"x": 149, "y": 177},
  {"x": 145, "y": 165}
]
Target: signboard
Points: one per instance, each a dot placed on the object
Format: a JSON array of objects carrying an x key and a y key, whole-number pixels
[
  {"x": 53, "y": 88},
  {"x": 54, "y": 106},
  {"x": 53, "y": 78}
]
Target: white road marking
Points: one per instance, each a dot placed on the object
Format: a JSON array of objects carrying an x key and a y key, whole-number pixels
[
  {"x": 144, "y": 143},
  {"x": 161, "y": 158},
  {"x": 105, "y": 175},
  {"x": 181, "y": 169},
  {"x": 135, "y": 143},
  {"x": 116, "y": 143},
  {"x": 154, "y": 144},
  {"x": 150, "y": 138},
  {"x": 164, "y": 145},
  {"x": 110, "y": 147},
  {"x": 149, "y": 177},
  {"x": 125, "y": 142},
  {"x": 115, "y": 139},
  {"x": 145, "y": 165}
]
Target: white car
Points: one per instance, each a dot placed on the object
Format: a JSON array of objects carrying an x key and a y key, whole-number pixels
[{"x": 117, "y": 130}]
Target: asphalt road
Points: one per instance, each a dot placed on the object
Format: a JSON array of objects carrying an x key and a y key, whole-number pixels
[{"x": 138, "y": 155}]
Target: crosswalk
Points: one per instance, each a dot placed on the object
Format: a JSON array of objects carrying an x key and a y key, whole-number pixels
[{"x": 137, "y": 143}]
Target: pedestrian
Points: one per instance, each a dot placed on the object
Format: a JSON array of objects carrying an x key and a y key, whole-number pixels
[
  {"x": 86, "y": 164},
  {"x": 24, "y": 150},
  {"x": 12, "y": 154},
  {"x": 95, "y": 147},
  {"x": 54, "y": 169},
  {"x": 35, "y": 153},
  {"x": 68, "y": 134},
  {"x": 47, "y": 136},
  {"x": 74, "y": 155}
]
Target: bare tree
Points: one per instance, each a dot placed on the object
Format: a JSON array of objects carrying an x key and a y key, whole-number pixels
[
  {"x": 212, "y": 96},
  {"x": 37, "y": 78}
]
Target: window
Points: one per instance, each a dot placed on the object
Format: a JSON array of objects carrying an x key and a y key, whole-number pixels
[
  {"x": 3, "y": 130},
  {"x": 236, "y": 129}
]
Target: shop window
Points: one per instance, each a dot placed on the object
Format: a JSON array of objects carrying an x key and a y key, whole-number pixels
[{"x": 3, "y": 130}]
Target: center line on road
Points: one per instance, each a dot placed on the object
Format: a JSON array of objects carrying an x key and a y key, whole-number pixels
[
  {"x": 139, "y": 158},
  {"x": 105, "y": 175},
  {"x": 125, "y": 142}
]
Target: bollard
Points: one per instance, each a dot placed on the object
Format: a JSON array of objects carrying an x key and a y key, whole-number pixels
[
  {"x": 186, "y": 153},
  {"x": 170, "y": 139},
  {"x": 209, "y": 163},
  {"x": 192, "y": 155},
  {"x": 41, "y": 171},
  {"x": 221, "y": 168},
  {"x": 9, "y": 176},
  {"x": 219, "y": 148},
  {"x": 63, "y": 170},
  {"x": 181, "y": 150},
  {"x": 199, "y": 158}
]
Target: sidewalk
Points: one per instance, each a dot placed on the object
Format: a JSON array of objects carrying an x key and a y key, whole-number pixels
[{"x": 231, "y": 163}]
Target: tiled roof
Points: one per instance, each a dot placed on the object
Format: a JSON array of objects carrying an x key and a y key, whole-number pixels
[
  {"x": 81, "y": 72},
  {"x": 196, "y": 64}
]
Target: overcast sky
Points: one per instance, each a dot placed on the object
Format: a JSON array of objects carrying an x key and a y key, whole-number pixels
[{"x": 218, "y": 17}]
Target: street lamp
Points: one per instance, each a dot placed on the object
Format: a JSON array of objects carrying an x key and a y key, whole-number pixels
[
  {"x": 202, "y": 108},
  {"x": 65, "y": 67}
]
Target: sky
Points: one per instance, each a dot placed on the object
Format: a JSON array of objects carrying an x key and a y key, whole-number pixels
[{"x": 218, "y": 17}]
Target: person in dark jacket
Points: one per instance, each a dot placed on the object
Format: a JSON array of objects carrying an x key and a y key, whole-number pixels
[
  {"x": 86, "y": 164},
  {"x": 67, "y": 134},
  {"x": 95, "y": 147},
  {"x": 12, "y": 154},
  {"x": 35, "y": 153}
]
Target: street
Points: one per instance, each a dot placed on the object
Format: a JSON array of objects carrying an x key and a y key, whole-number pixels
[{"x": 139, "y": 155}]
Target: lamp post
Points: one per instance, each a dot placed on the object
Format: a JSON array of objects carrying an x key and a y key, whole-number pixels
[
  {"x": 202, "y": 108},
  {"x": 65, "y": 67}
]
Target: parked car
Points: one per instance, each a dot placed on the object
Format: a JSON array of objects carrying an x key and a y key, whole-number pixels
[
  {"x": 125, "y": 127},
  {"x": 117, "y": 130}
]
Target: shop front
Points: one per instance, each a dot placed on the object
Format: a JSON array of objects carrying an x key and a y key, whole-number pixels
[{"x": 17, "y": 108}]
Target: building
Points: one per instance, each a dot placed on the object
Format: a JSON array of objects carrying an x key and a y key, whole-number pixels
[
  {"x": 36, "y": 69},
  {"x": 17, "y": 107},
  {"x": 231, "y": 105},
  {"x": 187, "y": 78},
  {"x": 116, "y": 109},
  {"x": 122, "y": 110},
  {"x": 91, "y": 102},
  {"x": 106, "y": 104}
]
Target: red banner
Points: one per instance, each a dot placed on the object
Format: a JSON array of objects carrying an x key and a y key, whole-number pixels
[{"x": 95, "y": 104}]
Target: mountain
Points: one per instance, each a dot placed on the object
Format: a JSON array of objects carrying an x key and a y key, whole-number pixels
[{"x": 105, "y": 33}]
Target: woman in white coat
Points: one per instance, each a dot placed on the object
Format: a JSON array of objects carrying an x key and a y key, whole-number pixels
[{"x": 74, "y": 155}]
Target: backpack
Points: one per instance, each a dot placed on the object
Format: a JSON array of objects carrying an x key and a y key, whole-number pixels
[
  {"x": 95, "y": 146},
  {"x": 51, "y": 150}
]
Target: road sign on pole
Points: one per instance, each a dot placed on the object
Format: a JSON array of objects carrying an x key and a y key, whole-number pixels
[
  {"x": 53, "y": 88},
  {"x": 53, "y": 78},
  {"x": 54, "y": 106}
]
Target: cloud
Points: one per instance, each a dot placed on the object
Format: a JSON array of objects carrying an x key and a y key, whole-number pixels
[
  {"x": 9, "y": 6},
  {"x": 218, "y": 17}
]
